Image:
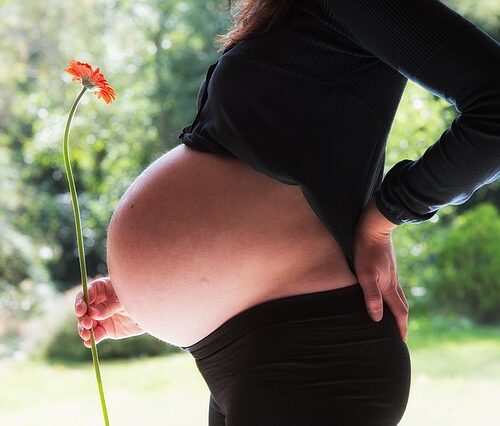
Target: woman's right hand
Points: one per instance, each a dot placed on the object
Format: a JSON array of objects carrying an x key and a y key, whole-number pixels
[
  {"x": 106, "y": 315},
  {"x": 375, "y": 266}
]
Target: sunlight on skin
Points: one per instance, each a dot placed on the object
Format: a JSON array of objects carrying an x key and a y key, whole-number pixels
[{"x": 197, "y": 238}]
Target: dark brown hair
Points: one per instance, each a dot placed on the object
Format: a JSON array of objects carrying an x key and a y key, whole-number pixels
[{"x": 252, "y": 17}]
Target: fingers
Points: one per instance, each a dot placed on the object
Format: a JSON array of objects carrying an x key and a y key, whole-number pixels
[
  {"x": 392, "y": 294},
  {"x": 376, "y": 269},
  {"x": 84, "y": 333},
  {"x": 395, "y": 299},
  {"x": 373, "y": 297},
  {"x": 103, "y": 301},
  {"x": 99, "y": 335},
  {"x": 105, "y": 310},
  {"x": 402, "y": 296},
  {"x": 83, "y": 318},
  {"x": 97, "y": 289},
  {"x": 85, "y": 321},
  {"x": 398, "y": 308},
  {"x": 80, "y": 305}
]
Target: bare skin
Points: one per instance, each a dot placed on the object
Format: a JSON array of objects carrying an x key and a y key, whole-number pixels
[{"x": 198, "y": 238}]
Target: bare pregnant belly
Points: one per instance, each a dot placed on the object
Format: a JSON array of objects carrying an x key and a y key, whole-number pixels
[{"x": 198, "y": 238}]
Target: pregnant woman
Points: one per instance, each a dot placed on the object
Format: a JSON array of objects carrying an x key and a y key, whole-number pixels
[{"x": 262, "y": 243}]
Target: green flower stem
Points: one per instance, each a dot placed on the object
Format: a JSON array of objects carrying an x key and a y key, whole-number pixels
[{"x": 81, "y": 253}]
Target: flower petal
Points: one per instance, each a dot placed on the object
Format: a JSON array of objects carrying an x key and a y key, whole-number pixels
[{"x": 91, "y": 79}]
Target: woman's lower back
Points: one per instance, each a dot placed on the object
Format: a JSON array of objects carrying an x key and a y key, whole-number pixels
[{"x": 198, "y": 238}]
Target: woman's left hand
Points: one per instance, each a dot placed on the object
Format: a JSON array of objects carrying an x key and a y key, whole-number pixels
[{"x": 375, "y": 266}]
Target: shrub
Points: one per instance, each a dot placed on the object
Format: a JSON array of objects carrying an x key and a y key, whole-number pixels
[
  {"x": 64, "y": 343},
  {"x": 24, "y": 284},
  {"x": 468, "y": 264}
]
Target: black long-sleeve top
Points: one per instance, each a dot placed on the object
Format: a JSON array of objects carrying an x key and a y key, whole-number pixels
[{"x": 312, "y": 102}]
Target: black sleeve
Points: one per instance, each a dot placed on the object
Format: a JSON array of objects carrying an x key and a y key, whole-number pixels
[{"x": 445, "y": 53}]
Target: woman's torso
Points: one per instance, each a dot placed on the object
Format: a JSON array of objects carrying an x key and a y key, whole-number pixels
[
  {"x": 198, "y": 238},
  {"x": 307, "y": 105}
]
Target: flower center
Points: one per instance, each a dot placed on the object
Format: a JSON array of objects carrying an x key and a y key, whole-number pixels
[{"x": 89, "y": 84}]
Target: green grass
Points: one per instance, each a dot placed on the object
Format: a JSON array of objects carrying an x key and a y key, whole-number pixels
[
  {"x": 149, "y": 391},
  {"x": 455, "y": 381}
]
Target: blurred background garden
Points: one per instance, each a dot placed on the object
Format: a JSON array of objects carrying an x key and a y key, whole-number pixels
[{"x": 155, "y": 54}]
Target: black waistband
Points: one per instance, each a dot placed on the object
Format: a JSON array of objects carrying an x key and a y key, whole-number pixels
[{"x": 338, "y": 301}]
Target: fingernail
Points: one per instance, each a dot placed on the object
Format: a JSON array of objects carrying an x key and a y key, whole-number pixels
[{"x": 376, "y": 317}]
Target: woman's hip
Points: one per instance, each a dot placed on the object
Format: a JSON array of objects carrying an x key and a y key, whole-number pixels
[{"x": 309, "y": 359}]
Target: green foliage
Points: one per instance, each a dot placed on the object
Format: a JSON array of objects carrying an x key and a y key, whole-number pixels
[
  {"x": 484, "y": 13},
  {"x": 468, "y": 261},
  {"x": 427, "y": 331},
  {"x": 155, "y": 54},
  {"x": 24, "y": 280},
  {"x": 64, "y": 343}
]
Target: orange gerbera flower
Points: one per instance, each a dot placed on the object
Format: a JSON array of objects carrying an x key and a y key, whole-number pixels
[{"x": 92, "y": 80}]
